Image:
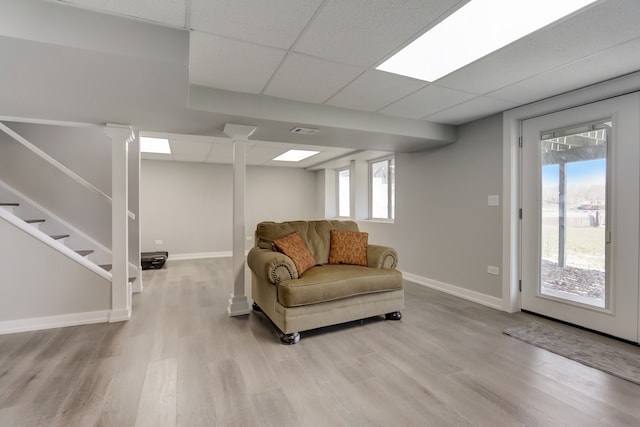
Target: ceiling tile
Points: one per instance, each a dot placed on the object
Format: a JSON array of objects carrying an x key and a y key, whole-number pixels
[
  {"x": 230, "y": 64},
  {"x": 171, "y": 12},
  {"x": 471, "y": 110},
  {"x": 221, "y": 153},
  {"x": 260, "y": 155},
  {"x": 620, "y": 60},
  {"x": 271, "y": 23},
  {"x": 308, "y": 79},
  {"x": 363, "y": 32},
  {"x": 269, "y": 144},
  {"x": 190, "y": 147},
  {"x": 155, "y": 156},
  {"x": 189, "y": 157},
  {"x": 427, "y": 101},
  {"x": 562, "y": 43},
  {"x": 374, "y": 90}
]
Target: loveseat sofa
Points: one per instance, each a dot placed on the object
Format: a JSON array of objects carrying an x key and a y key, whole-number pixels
[{"x": 310, "y": 274}]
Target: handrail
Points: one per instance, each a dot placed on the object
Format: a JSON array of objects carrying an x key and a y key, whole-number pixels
[
  {"x": 71, "y": 174},
  {"x": 12, "y": 219}
]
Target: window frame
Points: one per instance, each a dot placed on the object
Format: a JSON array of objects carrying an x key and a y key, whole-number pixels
[
  {"x": 390, "y": 188},
  {"x": 338, "y": 213}
]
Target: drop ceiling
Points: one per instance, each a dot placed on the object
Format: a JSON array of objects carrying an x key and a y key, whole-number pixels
[
  {"x": 286, "y": 63},
  {"x": 205, "y": 149}
]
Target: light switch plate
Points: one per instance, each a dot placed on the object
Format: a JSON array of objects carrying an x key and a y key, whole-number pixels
[
  {"x": 493, "y": 270},
  {"x": 493, "y": 200}
]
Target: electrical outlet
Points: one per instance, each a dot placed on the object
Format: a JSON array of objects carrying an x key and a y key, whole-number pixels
[
  {"x": 493, "y": 200},
  {"x": 158, "y": 242},
  {"x": 493, "y": 270}
]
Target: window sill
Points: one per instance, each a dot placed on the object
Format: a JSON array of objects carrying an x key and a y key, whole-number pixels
[{"x": 378, "y": 220}]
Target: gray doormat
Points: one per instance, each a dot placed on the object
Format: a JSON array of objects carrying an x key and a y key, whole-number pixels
[{"x": 621, "y": 363}]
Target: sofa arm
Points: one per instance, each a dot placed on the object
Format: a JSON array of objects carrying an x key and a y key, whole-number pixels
[
  {"x": 381, "y": 256},
  {"x": 271, "y": 266}
]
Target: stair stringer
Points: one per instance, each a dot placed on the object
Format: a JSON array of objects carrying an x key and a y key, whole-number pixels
[
  {"x": 44, "y": 284},
  {"x": 101, "y": 255}
]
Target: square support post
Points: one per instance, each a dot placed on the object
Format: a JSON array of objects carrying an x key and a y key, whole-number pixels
[
  {"x": 120, "y": 137},
  {"x": 238, "y": 303}
]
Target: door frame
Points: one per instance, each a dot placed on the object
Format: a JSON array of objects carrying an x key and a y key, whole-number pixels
[
  {"x": 511, "y": 133},
  {"x": 620, "y": 315}
]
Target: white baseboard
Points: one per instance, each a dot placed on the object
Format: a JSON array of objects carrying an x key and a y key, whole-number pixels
[
  {"x": 50, "y": 322},
  {"x": 486, "y": 300},
  {"x": 120, "y": 315},
  {"x": 199, "y": 255}
]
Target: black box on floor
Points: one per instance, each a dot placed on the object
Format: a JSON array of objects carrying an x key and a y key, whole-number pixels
[{"x": 153, "y": 260}]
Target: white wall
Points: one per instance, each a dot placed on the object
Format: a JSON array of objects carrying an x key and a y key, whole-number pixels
[
  {"x": 188, "y": 205},
  {"x": 444, "y": 231}
]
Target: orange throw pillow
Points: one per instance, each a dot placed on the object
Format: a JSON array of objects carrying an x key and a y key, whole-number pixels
[
  {"x": 348, "y": 247},
  {"x": 295, "y": 248}
]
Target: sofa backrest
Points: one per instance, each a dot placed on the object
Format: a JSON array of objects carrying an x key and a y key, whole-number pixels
[{"x": 316, "y": 234}]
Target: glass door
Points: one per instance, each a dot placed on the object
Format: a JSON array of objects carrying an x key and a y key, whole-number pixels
[
  {"x": 573, "y": 210},
  {"x": 580, "y": 201}
]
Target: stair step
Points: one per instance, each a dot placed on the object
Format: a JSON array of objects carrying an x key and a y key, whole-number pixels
[
  {"x": 108, "y": 268},
  {"x": 85, "y": 252},
  {"x": 34, "y": 221},
  {"x": 59, "y": 236},
  {"x": 9, "y": 206}
]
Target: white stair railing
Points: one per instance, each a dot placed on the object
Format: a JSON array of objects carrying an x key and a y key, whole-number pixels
[{"x": 71, "y": 174}]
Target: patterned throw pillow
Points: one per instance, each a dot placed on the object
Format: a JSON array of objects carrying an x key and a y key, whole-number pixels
[
  {"x": 295, "y": 248},
  {"x": 348, "y": 247}
]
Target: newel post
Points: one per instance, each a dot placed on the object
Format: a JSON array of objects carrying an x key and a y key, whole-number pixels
[
  {"x": 120, "y": 137},
  {"x": 238, "y": 303}
]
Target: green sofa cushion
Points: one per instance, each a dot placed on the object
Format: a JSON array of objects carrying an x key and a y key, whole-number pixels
[
  {"x": 316, "y": 234},
  {"x": 332, "y": 282}
]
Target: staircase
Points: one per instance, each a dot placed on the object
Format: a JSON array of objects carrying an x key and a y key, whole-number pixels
[
  {"x": 37, "y": 224},
  {"x": 63, "y": 236}
]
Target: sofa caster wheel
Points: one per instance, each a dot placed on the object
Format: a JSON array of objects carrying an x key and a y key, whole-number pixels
[
  {"x": 289, "y": 339},
  {"x": 396, "y": 315},
  {"x": 256, "y": 307}
]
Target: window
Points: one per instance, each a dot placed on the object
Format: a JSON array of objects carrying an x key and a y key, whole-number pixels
[
  {"x": 382, "y": 185},
  {"x": 344, "y": 198}
]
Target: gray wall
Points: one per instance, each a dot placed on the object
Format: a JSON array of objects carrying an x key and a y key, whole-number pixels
[
  {"x": 189, "y": 205},
  {"x": 444, "y": 230},
  {"x": 38, "y": 281},
  {"x": 43, "y": 183},
  {"x": 86, "y": 151}
]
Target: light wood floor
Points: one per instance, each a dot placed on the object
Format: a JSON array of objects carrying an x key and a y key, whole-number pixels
[{"x": 181, "y": 361}]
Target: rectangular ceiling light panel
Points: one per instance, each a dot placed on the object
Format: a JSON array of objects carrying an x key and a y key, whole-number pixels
[
  {"x": 154, "y": 145},
  {"x": 473, "y": 31},
  {"x": 295, "y": 155}
]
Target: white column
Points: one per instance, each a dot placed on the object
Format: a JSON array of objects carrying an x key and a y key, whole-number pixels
[
  {"x": 238, "y": 303},
  {"x": 120, "y": 136},
  {"x": 135, "y": 265}
]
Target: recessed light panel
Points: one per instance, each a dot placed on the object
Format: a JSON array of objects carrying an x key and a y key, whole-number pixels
[
  {"x": 473, "y": 31},
  {"x": 154, "y": 145},
  {"x": 295, "y": 155}
]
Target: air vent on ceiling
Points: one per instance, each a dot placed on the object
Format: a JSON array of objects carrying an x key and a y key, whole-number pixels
[{"x": 304, "y": 131}]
